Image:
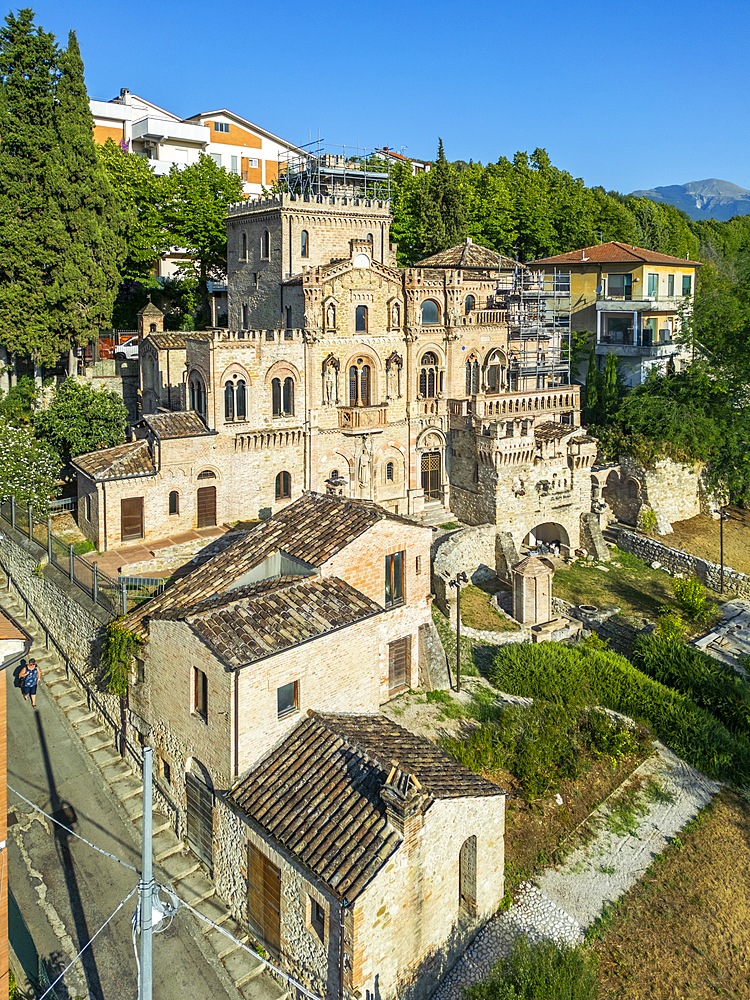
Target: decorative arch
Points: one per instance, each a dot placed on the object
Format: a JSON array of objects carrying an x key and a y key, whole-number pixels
[
  {"x": 431, "y": 374},
  {"x": 362, "y": 379},
  {"x": 196, "y": 384},
  {"x": 430, "y": 313},
  {"x": 473, "y": 375},
  {"x": 330, "y": 313},
  {"x": 496, "y": 371}
]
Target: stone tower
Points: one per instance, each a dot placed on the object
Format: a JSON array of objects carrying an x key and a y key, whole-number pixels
[{"x": 532, "y": 590}]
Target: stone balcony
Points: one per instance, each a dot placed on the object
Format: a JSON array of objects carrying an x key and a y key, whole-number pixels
[{"x": 363, "y": 419}]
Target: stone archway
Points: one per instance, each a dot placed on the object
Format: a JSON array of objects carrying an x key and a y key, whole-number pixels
[{"x": 548, "y": 534}]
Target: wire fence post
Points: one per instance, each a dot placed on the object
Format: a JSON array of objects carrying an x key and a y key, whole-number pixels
[
  {"x": 71, "y": 564},
  {"x": 124, "y": 597},
  {"x": 31, "y": 523},
  {"x": 49, "y": 540},
  {"x": 95, "y": 584},
  {"x": 12, "y": 512}
]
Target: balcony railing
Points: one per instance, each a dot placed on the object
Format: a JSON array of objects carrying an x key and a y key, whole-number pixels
[
  {"x": 359, "y": 419},
  {"x": 642, "y": 303}
]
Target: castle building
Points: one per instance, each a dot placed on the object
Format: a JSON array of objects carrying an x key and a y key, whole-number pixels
[{"x": 433, "y": 389}]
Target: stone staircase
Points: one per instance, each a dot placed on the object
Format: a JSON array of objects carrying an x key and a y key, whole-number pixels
[
  {"x": 434, "y": 514},
  {"x": 243, "y": 976},
  {"x": 611, "y": 533}
]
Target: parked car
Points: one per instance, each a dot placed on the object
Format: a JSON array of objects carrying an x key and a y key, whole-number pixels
[{"x": 126, "y": 350}]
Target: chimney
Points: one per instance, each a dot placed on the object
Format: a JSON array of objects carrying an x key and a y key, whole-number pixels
[
  {"x": 404, "y": 802},
  {"x": 124, "y": 96}
]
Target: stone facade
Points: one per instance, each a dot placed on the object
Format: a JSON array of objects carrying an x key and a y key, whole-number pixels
[{"x": 673, "y": 491}]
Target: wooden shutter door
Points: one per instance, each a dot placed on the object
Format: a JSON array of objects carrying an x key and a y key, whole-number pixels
[
  {"x": 399, "y": 661},
  {"x": 207, "y": 507},
  {"x": 200, "y": 818},
  {"x": 131, "y": 518},
  {"x": 264, "y": 898}
]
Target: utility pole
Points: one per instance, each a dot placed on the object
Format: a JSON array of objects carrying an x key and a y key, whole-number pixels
[
  {"x": 723, "y": 516},
  {"x": 146, "y": 886}
]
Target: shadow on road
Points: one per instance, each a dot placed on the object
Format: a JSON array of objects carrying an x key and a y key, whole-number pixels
[{"x": 65, "y": 812}]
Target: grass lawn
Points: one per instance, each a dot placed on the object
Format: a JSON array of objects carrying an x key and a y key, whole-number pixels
[
  {"x": 633, "y": 586},
  {"x": 478, "y": 612},
  {"x": 684, "y": 929},
  {"x": 700, "y": 537}
]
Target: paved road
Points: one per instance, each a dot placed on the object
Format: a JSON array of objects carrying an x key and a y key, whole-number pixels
[{"x": 66, "y": 891}]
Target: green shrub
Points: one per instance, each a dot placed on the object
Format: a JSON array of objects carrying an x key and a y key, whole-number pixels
[
  {"x": 712, "y": 685},
  {"x": 648, "y": 521},
  {"x": 578, "y": 676},
  {"x": 543, "y": 971},
  {"x": 670, "y": 624},
  {"x": 119, "y": 647},
  {"x": 691, "y": 596},
  {"x": 543, "y": 744}
]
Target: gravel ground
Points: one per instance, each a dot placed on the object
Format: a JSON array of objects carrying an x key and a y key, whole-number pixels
[{"x": 564, "y": 902}]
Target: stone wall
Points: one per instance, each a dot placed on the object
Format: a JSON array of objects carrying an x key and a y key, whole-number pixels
[
  {"x": 676, "y": 561},
  {"x": 672, "y": 490},
  {"x": 471, "y": 551}
]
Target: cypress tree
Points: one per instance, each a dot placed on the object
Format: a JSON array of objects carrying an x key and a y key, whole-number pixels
[
  {"x": 610, "y": 389},
  {"x": 31, "y": 237},
  {"x": 592, "y": 404},
  {"x": 87, "y": 277}
]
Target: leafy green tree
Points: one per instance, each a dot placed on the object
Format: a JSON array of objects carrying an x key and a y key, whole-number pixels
[
  {"x": 195, "y": 214},
  {"x": 141, "y": 195},
  {"x": 29, "y": 469},
  {"x": 20, "y": 401},
  {"x": 81, "y": 419}
]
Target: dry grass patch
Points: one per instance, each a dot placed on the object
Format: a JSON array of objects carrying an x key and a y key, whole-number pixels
[
  {"x": 700, "y": 537},
  {"x": 477, "y": 611},
  {"x": 684, "y": 930}
]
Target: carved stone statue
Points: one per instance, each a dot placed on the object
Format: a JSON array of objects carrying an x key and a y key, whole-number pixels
[
  {"x": 364, "y": 466},
  {"x": 331, "y": 316},
  {"x": 330, "y": 394}
]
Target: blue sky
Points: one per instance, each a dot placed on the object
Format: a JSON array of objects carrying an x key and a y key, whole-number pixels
[{"x": 628, "y": 95}]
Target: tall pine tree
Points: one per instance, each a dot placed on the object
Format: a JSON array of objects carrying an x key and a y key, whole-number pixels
[{"x": 59, "y": 242}]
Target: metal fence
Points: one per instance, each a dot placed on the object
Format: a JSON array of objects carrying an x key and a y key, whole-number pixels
[{"x": 117, "y": 596}]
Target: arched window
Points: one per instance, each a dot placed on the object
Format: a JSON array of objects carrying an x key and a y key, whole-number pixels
[
  {"x": 360, "y": 319},
  {"x": 472, "y": 377},
  {"x": 495, "y": 372},
  {"x": 174, "y": 502},
  {"x": 467, "y": 876},
  {"x": 243, "y": 247},
  {"x": 429, "y": 375},
  {"x": 229, "y": 401},
  {"x": 334, "y": 474},
  {"x": 197, "y": 395},
  {"x": 240, "y": 397},
  {"x": 282, "y": 397},
  {"x": 207, "y": 474},
  {"x": 152, "y": 328},
  {"x": 469, "y": 303},
  {"x": 265, "y": 245},
  {"x": 304, "y": 244},
  {"x": 369, "y": 238},
  {"x": 430, "y": 313},
  {"x": 283, "y": 486},
  {"x": 360, "y": 384},
  {"x": 390, "y": 472}
]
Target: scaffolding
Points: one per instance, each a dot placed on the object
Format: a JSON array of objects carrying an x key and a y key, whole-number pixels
[
  {"x": 320, "y": 171},
  {"x": 538, "y": 310}
]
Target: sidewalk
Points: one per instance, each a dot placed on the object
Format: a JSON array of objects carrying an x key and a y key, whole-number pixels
[{"x": 64, "y": 761}]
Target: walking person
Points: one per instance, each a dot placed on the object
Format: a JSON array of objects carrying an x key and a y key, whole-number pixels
[{"x": 29, "y": 677}]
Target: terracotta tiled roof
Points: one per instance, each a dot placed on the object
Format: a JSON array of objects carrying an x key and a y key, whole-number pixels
[
  {"x": 318, "y": 794},
  {"x": 120, "y": 462},
  {"x": 176, "y": 339},
  {"x": 311, "y": 530},
  {"x": 277, "y": 615},
  {"x": 8, "y": 630},
  {"x": 469, "y": 255},
  {"x": 551, "y": 430},
  {"x": 177, "y": 424},
  {"x": 615, "y": 253},
  {"x": 150, "y": 310}
]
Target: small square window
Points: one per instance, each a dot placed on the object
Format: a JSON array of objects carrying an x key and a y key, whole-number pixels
[
  {"x": 253, "y": 164},
  {"x": 165, "y": 769},
  {"x": 317, "y": 919},
  {"x": 287, "y": 699}
]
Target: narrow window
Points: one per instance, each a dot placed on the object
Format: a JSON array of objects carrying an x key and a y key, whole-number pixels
[
  {"x": 88, "y": 506},
  {"x": 165, "y": 770},
  {"x": 468, "y": 304},
  {"x": 240, "y": 397},
  {"x": 394, "y": 579},
  {"x": 304, "y": 244},
  {"x": 288, "y": 397},
  {"x": 360, "y": 319},
  {"x": 235, "y": 164},
  {"x": 364, "y": 385},
  {"x": 287, "y": 699},
  {"x": 244, "y": 317},
  {"x": 390, "y": 470},
  {"x": 174, "y": 502},
  {"x": 288, "y": 317},
  {"x": 670, "y": 284},
  {"x": 265, "y": 245},
  {"x": 428, "y": 373},
  {"x": 243, "y": 247},
  {"x": 467, "y": 876},
  {"x": 317, "y": 919},
  {"x": 283, "y": 486},
  {"x": 353, "y": 385},
  {"x": 229, "y": 401},
  {"x": 200, "y": 694},
  {"x": 687, "y": 284},
  {"x": 418, "y": 565},
  {"x": 276, "y": 397},
  {"x": 653, "y": 286}
]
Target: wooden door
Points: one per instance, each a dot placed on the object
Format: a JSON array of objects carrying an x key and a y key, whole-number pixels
[
  {"x": 431, "y": 477},
  {"x": 131, "y": 518},
  {"x": 399, "y": 661},
  {"x": 200, "y": 817},
  {"x": 264, "y": 898},
  {"x": 207, "y": 507}
]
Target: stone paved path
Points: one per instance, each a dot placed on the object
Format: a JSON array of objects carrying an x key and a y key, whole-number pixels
[{"x": 564, "y": 902}]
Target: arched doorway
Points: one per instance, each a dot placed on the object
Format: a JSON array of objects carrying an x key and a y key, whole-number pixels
[
  {"x": 432, "y": 475},
  {"x": 547, "y": 537},
  {"x": 200, "y": 812},
  {"x": 206, "y": 501}
]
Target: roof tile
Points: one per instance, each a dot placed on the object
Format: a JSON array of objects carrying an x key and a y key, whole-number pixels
[
  {"x": 120, "y": 462},
  {"x": 614, "y": 253}
]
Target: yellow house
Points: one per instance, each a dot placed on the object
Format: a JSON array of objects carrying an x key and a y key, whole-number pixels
[{"x": 631, "y": 300}]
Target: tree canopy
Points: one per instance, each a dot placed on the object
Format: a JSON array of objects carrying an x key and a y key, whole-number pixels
[
  {"x": 81, "y": 419},
  {"x": 29, "y": 469}
]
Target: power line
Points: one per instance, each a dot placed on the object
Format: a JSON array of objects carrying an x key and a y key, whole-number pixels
[
  {"x": 73, "y": 833},
  {"x": 89, "y": 942}
]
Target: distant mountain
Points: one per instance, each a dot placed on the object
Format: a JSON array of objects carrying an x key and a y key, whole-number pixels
[{"x": 709, "y": 199}]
